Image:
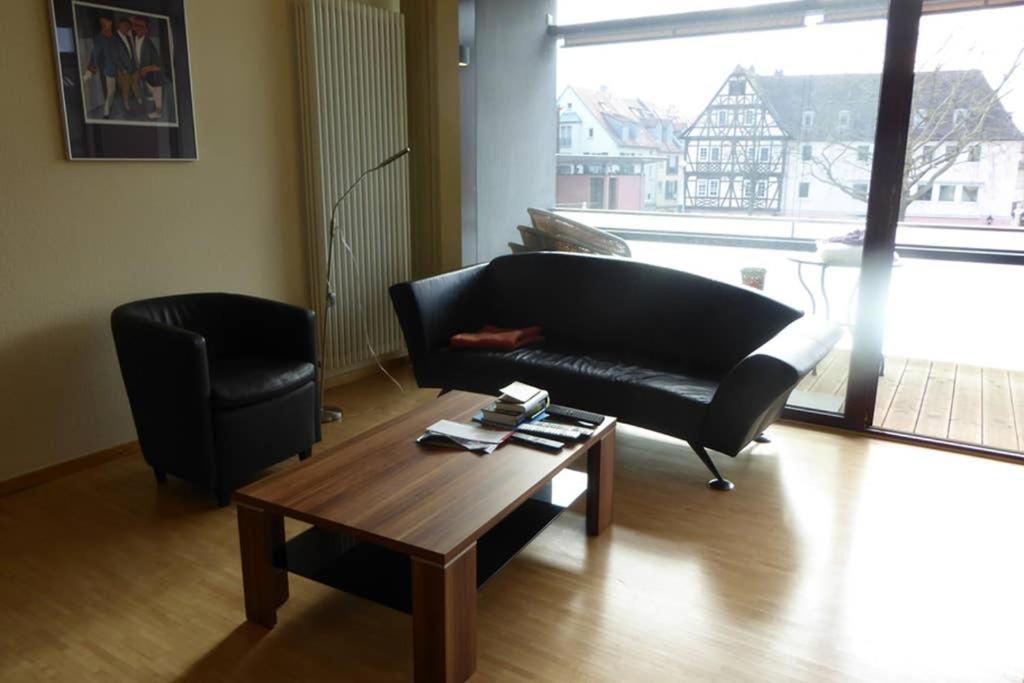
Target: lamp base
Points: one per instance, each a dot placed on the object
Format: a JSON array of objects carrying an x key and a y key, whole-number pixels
[{"x": 330, "y": 414}]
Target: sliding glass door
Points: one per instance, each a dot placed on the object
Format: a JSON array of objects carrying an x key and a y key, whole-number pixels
[{"x": 954, "y": 335}]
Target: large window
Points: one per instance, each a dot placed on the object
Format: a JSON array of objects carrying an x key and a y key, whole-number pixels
[{"x": 775, "y": 164}]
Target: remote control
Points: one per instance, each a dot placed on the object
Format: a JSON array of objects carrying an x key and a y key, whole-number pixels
[
  {"x": 537, "y": 442},
  {"x": 574, "y": 416},
  {"x": 549, "y": 431}
]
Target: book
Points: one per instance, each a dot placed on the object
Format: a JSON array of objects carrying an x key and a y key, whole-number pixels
[
  {"x": 535, "y": 403},
  {"x": 503, "y": 421},
  {"x": 517, "y": 392}
]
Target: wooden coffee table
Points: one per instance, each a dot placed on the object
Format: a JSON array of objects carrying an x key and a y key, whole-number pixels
[{"x": 416, "y": 528}]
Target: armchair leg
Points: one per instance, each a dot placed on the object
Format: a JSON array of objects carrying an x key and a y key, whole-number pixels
[
  {"x": 305, "y": 454},
  {"x": 223, "y": 496},
  {"x": 762, "y": 438},
  {"x": 719, "y": 483},
  {"x": 161, "y": 476}
]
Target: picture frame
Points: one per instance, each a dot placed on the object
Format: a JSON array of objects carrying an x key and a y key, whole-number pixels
[{"x": 125, "y": 79}]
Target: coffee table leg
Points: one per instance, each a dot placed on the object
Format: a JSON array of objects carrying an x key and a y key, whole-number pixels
[
  {"x": 444, "y": 619},
  {"x": 260, "y": 533},
  {"x": 600, "y": 472}
]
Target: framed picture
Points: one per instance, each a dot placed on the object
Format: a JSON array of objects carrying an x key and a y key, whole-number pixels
[{"x": 125, "y": 81}]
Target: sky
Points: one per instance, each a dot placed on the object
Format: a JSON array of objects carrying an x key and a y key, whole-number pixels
[{"x": 686, "y": 72}]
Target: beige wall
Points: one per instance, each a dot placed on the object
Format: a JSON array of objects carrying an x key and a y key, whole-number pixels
[{"x": 77, "y": 238}]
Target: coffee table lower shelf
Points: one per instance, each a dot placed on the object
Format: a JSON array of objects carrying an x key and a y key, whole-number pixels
[{"x": 382, "y": 575}]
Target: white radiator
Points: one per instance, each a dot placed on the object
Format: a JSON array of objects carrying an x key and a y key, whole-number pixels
[{"x": 352, "y": 91}]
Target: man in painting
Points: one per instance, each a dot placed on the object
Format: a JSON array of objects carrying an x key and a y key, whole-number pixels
[
  {"x": 147, "y": 57},
  {"x": 125, "y": 64},
  {"x": 101, "y": 60}
]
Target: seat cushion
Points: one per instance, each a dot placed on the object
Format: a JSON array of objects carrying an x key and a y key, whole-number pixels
[
  {"x": 245, "y": 379},
  {"x": 636, "y": 390}
]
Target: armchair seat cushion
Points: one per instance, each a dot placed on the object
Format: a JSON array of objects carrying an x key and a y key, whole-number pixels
[
  {"x": 241, "y": 380},
  {"x": 649, "y": 393}
]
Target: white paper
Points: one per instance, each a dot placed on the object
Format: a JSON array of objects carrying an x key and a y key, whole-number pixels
[{"x": 458, "y": 430}]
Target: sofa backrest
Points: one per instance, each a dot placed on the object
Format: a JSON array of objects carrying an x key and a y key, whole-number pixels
[{"x": 608, "y": 304}]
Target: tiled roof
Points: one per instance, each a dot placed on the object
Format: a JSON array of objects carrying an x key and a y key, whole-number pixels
[
  {"x": 828, "y": 95},
  {"x": 615, "y": 113}
]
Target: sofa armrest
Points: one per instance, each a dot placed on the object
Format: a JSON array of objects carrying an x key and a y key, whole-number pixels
[
  {"x": 431, "y": 310},
  {"x": 167, "y": 378},
  {"x": 754, "y": 392}
]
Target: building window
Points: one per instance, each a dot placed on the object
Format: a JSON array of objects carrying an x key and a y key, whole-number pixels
[
  {"x": 564, "y": 136},
  {"x": 632, "y": 132},
  {"x": 737, "y": 86},
  {"x": 974, "y": 153},
  {"x": 565, "y": 169},
  {"x": 749, "y": 117},
  {"x": 805, "y": 190},
  {"x": 747, "y": 189},
  {"x": 969, "y": 193},
  {"x": 716, "y": 154},
  {"x": 862, "y": 152},
  {"x": 671, "y": 189},
  {"x": 808, "y": 119},
  {"x": 805, "y": 152},
  {"x": 673, "y": 164},
  {"x": 959, "y": 115},
  {"x": 947, "y": 193},
  {"x": 926, "y": 195},
  {"x": 951, "y": 152},
  {"x": 723, "y": 117},
  {"x": 590, "y": 133},
  {"x": 764, "y": 154},
  {"x": 702, "y": 188},
  {"x": 597, "y": 193},
  {"x": 920, "y": 116},
  {"x": 860, "y": 189},
  {"x": 928, "y": 153},
  {"x": 844, "y": 119},
  {"x": 762, "y": 188},
  {"x": 702, "y": 154},
  {"x": 713, "y": 188},
  {"x": 595, "y": 169}
]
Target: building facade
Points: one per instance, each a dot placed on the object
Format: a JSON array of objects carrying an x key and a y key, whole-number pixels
[
  {"x": 803, "y": 145},
  {"x": 617, "y": 153}
]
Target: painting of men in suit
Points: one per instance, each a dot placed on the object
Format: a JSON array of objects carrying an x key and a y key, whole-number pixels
[{"x": 127, "y": 65}]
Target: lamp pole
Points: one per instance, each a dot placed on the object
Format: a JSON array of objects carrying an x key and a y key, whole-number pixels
[{"x": 334, "y": 413}]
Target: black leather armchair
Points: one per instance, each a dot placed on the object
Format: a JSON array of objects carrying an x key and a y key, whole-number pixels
[
  {"x": 220, "y": 385},
  {"x": 694, "y": 358}
]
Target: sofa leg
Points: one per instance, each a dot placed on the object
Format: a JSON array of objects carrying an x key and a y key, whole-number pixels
[
  {"x": 443, "y": 392},
  {"x": 762, "y": 438},
  {"x": 305, "y": 454},
  {"x": 161, "y": 476},
  {"x": 719, "y": 483}
]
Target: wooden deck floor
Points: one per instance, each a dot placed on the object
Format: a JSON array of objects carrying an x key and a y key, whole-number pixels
[{"x": 964, "y": 403}]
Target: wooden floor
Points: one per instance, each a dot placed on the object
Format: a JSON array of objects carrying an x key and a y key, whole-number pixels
[
  {"x": 837, "y": 558},
  {"x": 964, "y": 403}
]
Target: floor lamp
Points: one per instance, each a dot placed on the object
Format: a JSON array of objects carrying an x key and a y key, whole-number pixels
[{"x": 334, "y": 413}]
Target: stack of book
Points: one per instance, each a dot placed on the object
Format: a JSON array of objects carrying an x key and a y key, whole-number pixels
[{"x": 517, "y": 404}]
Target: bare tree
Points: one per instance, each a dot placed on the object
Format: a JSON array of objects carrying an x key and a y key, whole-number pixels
[{"x": 950, "y": 114}]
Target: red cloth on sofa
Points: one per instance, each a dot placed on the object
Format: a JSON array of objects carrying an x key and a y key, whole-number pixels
[{"x": 491, "y": 337}]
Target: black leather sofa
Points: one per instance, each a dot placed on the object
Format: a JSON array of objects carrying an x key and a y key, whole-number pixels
[
  {"x": 690, "y": 357},
  {"x": 220, "y": 385}
]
